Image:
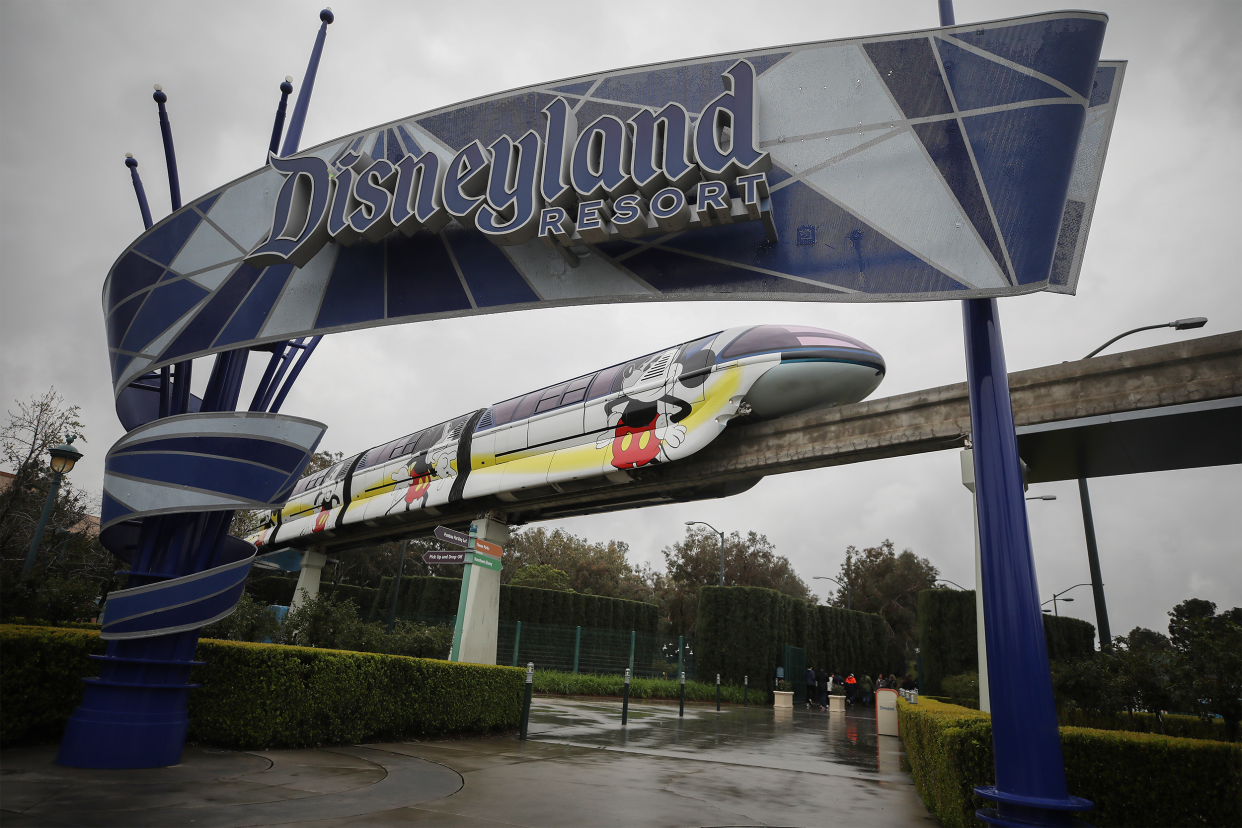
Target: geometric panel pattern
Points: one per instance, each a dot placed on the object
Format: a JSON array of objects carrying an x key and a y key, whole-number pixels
[{"x": 905, "y": 167}]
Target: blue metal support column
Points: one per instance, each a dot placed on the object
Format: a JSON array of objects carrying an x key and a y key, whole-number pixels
[
  {"x": 1030, "y": 787},
  {"x": 1030, "y": 784}
]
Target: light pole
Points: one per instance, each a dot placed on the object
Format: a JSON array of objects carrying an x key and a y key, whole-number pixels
[
  {"x": 718, "y": 532},
  {"x": 835, "y": 581},
  {"x": 1176, "y": 324},
  {"x": 1084, "y": 496},
  {"x": 947, "y": 581},
  {"x": 1043, "y": 497},
  {"x": 1056, "y": 596},
  {"x": 63, "y": 458}
]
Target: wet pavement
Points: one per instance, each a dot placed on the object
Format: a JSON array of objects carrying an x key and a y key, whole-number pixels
[{"x": 742, "y": 766}]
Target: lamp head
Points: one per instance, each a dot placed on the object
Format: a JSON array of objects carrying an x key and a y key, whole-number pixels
[
  {"x": 1187, "y": 324},
  {"x": 1066, "y": 599},
  {"x": 64, "y": 456},
  {"x": 691, "y": 522}
]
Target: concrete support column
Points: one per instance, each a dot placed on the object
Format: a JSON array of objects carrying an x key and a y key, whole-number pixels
[
  {"x": 313, "y": 562},
  {"x": 968, "y": 480},
  {"x": 478, "y": 609}
]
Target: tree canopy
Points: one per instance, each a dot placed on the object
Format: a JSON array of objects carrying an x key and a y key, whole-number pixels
[
  {"x": 694, "y": 561},
  {"x": 880, "y": 580}
]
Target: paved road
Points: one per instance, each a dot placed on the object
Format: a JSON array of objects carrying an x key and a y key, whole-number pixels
[{"x": 580, "y": 768}]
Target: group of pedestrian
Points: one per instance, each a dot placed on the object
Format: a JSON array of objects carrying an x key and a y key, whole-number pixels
[{"x": 819, "y": 683}]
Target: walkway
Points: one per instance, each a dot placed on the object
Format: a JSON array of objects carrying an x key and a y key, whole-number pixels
[{"x": 738, "y": 767}]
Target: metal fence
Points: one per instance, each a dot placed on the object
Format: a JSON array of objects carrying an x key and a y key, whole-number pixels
[
  {"x": 591, "y": 650},
  {"x": 584, "y": 649}
]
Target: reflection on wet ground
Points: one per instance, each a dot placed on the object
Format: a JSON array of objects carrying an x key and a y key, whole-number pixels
[{"x": 796, "y": 740}]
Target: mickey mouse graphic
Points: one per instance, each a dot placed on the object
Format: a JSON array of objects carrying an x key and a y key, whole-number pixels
[
  {"x": 648, "y": 419},
  {"x": 421, "y": 470},
  {"x": 325, "y": 503}
]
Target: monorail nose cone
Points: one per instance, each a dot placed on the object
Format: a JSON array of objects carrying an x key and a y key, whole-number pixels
[{"x": 326, "y": 15}]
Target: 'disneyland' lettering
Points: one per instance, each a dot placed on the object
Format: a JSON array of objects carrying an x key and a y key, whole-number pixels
[{"x": 654, "y": 173}]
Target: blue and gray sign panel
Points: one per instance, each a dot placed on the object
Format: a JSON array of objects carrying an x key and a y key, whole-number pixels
[{"x": 944, "y": 164}]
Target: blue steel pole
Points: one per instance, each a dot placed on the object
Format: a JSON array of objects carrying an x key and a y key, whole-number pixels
[
  {"x": 1030, "y": 787},
  {"x": 294, "y": 136},
  {"x": 1030, "y": 784},
  {"x": 132, "y": 163},
  {"x": 170, "y": 156},
  {"x": 286, "y": 88}
]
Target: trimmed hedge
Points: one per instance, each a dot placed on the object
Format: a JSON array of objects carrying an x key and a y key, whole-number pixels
[
  {"x": 1175, "y": 724},
  {"x": 1133, "y": 778},
  {"x": 259, "y": 696},
  {"x": 742, "y": 631},
  {"x": 284, "y": 697},
  {"x": 947, "y": 637},
  {"x": 557, "y": 683},
  {"x": 423, "y": 596},
  {"x": 41, "y": 672}
]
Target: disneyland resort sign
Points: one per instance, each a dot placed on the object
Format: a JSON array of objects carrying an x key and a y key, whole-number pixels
[{"x": 657, "y": 173}]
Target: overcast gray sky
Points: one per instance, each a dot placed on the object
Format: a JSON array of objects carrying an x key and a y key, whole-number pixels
[{"x": 75, "y": 96}]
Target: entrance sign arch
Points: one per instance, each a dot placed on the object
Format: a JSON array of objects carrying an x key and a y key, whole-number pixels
[{"x": 956, "y": 163}]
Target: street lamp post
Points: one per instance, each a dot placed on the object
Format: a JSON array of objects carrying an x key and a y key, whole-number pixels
[
  {"x": 64, "y": 457},
  {"x": 1056, "y": 596},
  {"x": 955, "y": 583},
  {"x": 718, "y": 532},
  {"x": 838, "y": 583},
  {"x": 1084, "y": 496}
]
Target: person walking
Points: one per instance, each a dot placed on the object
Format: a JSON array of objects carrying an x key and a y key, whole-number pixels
[
  {"x": 908, "y": 683},
  {"x": 851, "y": 689},
  {"x": 823, "y": 683},
  {"x": 865, "y": 687},
  {"x": 810, "y": 686}
]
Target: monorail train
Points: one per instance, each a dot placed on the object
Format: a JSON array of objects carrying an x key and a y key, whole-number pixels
[{"x": 590, "y": 430}]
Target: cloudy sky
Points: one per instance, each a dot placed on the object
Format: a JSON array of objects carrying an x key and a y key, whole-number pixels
[{"x": 75, "y": 96}]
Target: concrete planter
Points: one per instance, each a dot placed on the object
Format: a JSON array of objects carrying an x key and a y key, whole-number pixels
[
  {"x": 784, "y": 699},
  {"x": 836, "y": 704}
]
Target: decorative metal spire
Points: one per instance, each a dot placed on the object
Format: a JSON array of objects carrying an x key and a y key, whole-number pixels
[
  {"x": 294, "y": 136},
  {"x": 170, "y": 155},
  {"x": 286, "y": 87},
  {"x": 132, "y": 163}
]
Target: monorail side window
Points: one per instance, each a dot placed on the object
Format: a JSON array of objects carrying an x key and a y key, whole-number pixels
[
  {"x": 527, "y": 406},
  {"x": 576, "y": 390},
  {"x": 550, "y": 399},
  {"x": 603, "y": 382},
  {"x": 504, "y": 411},
  {"x": 428, "y": 438}
]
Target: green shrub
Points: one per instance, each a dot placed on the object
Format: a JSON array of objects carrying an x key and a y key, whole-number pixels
[
  {"x": 41, "y": 672},
  {"x": 964, "y": 686},
  {"x": 1133, "y": 778},
  {"x": 948, "y": 637},
  {"x": 58, "y": 601},
  {"x": 1189, "y": 727},
  {"x": 250, "y": 621},
  {"x": 742, "y": 631},
  {"x": 553, "y": 682},
  {"x": 258, "y": 696}
]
